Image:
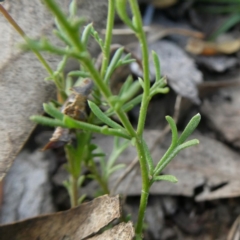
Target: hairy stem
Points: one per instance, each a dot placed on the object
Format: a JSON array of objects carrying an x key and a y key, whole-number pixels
[
  {"x": 145, "y": 188},
  {"x": 142, "y": 117},
  {"x": 146, "y": 73}
]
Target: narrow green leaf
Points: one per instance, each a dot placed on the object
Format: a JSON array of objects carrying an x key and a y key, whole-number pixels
[
  {"x": 71, "y": 123},
  {"x": 148, "y": 158},
  {"x": 80, "y": 180},
  {"x": 82, "y": 198},
  {"x": 173, "y": 129},
  {"x": 126, "y": 62},
  {"x": 134, "y": 22},
  {"x": 93, "y": 147},
  {"x": 141, "y": 82},
  {"x": 74, "y": 124},
  {"x": 156, "y": 65},
  {"x": 117, "y": 151},
  {"x": 71, "y": 156},
  {"x": 68, "y": 85},
  {"x": 126, "y": 85},
  {"x": 188, "y": 144},
  {"x": 97, "y": 38},
  {"x": 127, "y": 57},
  {"x": 66, "y": 184},
  {"x": 132, "y": 103},
  {"x": 114, "y": 169},
  {"x": 121, "y": 10},
  {"x": 159, "y": 90},
  {"x": 86, "y": 34},
  {"x": 73, "y": 8},
  {"x": 100, "y": 115},
  {"x": 52, "y": 111},
  {"x": 79, "y": 74},
  {"x": 193, "y": 123},
  {"x": 62, "y": 37},
  {"x": 113, "y": 64},
  {"x": 93, "y": 155},
  {"x": 47, "y": 121},
  {"x": 169, "y": 178},
  {"x": 229, "y": 23},
  {"x": 132, "y": 91},
  {"x": 62, "y": 64},
  {"x": 91, "y": 176}
]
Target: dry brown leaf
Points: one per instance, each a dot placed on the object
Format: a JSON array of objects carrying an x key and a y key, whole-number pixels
[
  {"x": 122, "y": 231},
  {"x": 21, "y": 75},
  {"x": 74, "y": 224},
  {"x": 200, "y": 47},
  {"x": 230, "y": 190},
  {"x": 126, "y": 36}
]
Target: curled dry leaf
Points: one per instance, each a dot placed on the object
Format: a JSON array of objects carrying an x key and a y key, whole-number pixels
[
  {"x": 21, "y": 75},
  {"x": 75, "y": 224},
  {"x": 75, "y": 107}
]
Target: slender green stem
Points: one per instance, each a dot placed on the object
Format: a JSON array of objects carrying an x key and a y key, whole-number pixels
[
  {"x": 145, "y": 188},
  {"x": 73, "y": 191},
  {"x": 73, "y": 188},
  {"x": 108, "y": 37},
  {"x": 22, "y": 33},
  {"x": 146, "y": 73},
  {"x": 73, "y": 35},
  {"x": 142, "y": 117}
]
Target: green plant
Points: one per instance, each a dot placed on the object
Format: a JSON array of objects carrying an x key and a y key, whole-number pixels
[{"x": 83, "y": 152}]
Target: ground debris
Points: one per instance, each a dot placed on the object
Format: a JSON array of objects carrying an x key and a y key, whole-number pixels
[
  {"x": 27, "y": 187},
  {"x": 122, "y": 231},
  {"x": 75, "y": 224}
]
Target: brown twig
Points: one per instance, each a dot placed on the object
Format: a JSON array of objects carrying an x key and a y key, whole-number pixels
[{"x": 159, "y": 31}]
